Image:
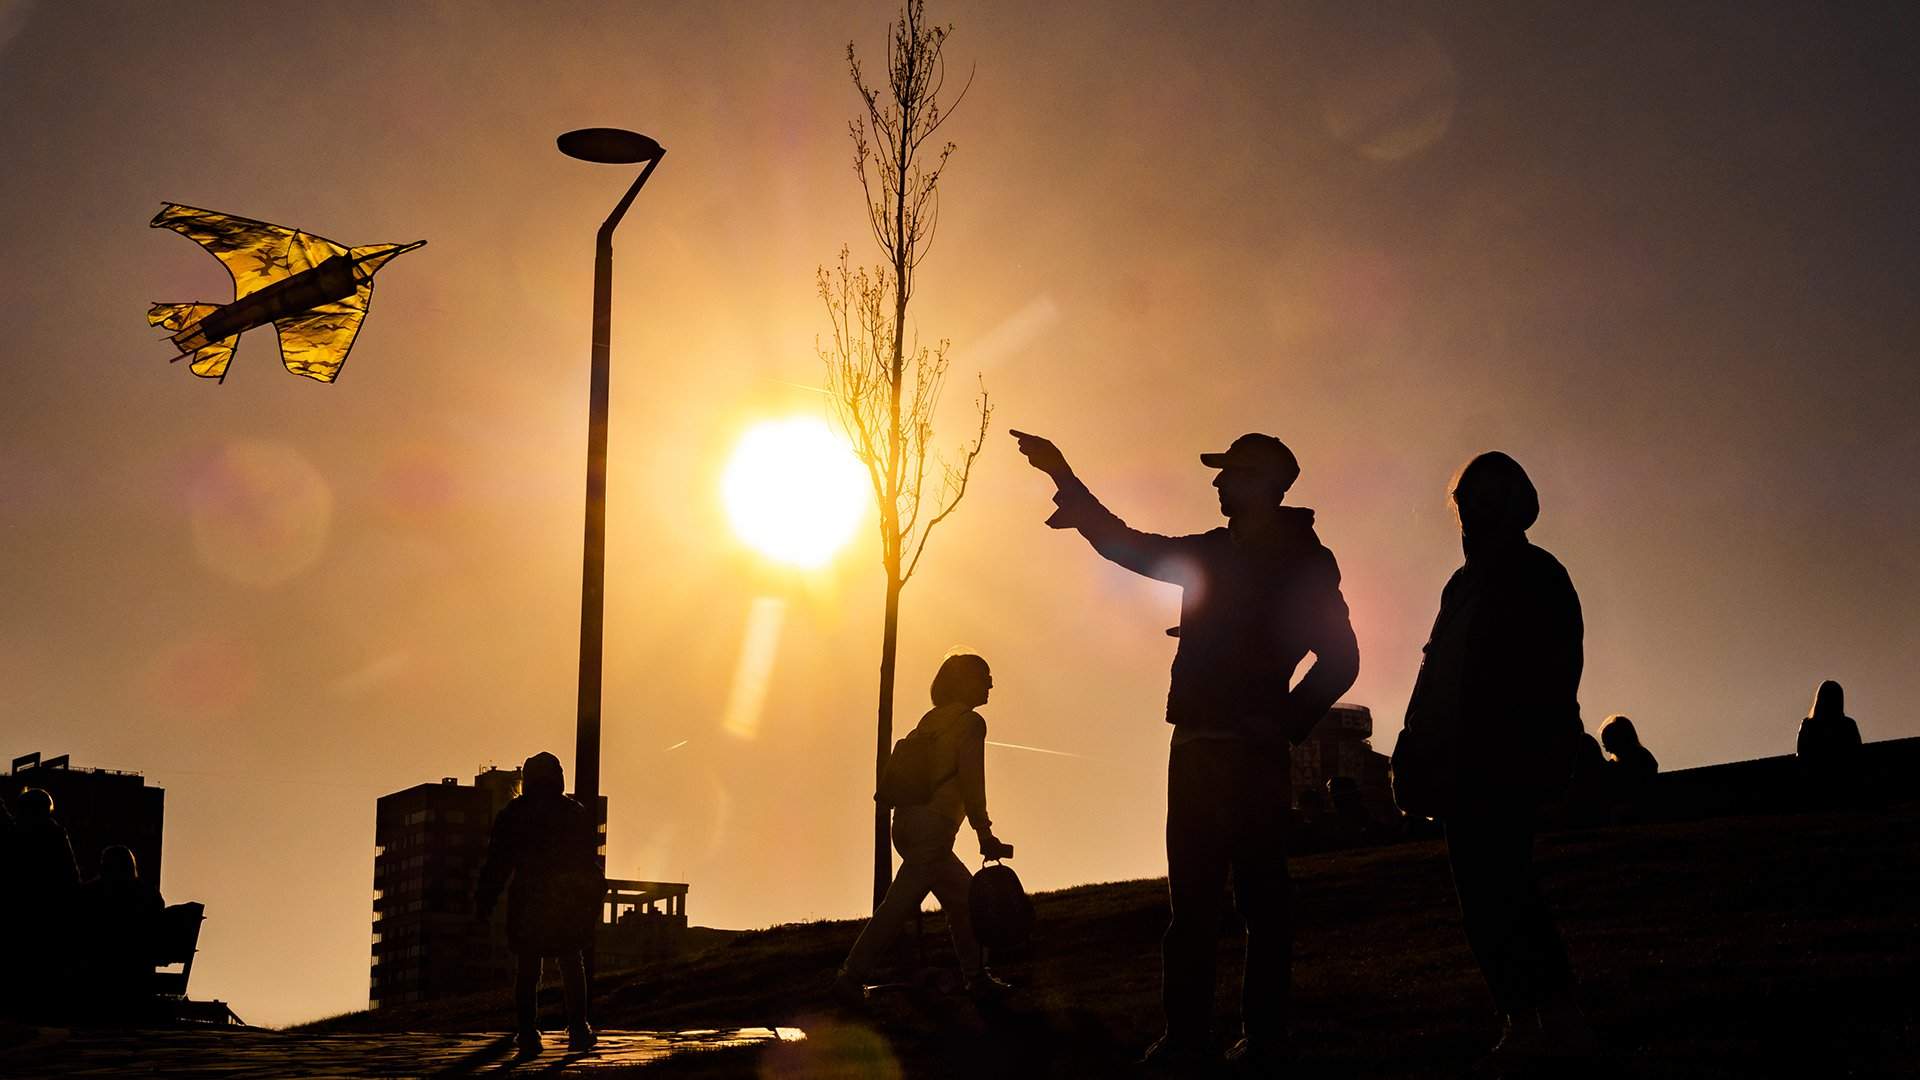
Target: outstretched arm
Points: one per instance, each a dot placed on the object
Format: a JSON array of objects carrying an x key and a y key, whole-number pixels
[{"x": 1148, "y": 554}]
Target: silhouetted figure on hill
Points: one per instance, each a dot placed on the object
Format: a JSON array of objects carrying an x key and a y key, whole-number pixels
[
  {"x": 1828, "y": 748},
  {"x": 1631, "y": 768},
  {"x": 548, "y": 844},
  {"x": 950, "y": 752},
  {"x": 1490, "y": 734},
  {"x": 1257, "y": 596},
  {"x": 118, "y": 925}
]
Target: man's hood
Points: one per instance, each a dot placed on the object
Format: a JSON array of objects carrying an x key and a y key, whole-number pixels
[{"x": 1287, "y": 526}]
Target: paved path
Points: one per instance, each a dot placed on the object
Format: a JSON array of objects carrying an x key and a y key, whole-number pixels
[{"x": 232, "y": 1054}]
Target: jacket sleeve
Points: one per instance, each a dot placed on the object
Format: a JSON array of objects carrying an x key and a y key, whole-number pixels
[
  {"x": 972, "y": 754},
  {"x": 1336, "y": 653},
  {"x": 497, "y": 868},
  {"x": 1148, "y": 554},
  {"x": 1556, "y": 639}
]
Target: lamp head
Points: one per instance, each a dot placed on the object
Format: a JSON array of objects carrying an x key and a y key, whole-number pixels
[{"x": 608, "y": 146}]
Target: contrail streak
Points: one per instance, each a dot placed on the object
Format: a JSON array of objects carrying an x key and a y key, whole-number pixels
[
  {"x": 1035, "y": 749},
  {"x": 801, "y": 386}
]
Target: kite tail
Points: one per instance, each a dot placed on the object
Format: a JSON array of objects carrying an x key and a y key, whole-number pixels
[{"x": 210, "y": 358}]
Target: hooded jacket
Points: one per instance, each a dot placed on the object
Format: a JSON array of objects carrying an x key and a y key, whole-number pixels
[
  {"x": 1253, "y": 603},
  {"x": 547, "y": 844},
  {"x": 1500, "y": 682}
]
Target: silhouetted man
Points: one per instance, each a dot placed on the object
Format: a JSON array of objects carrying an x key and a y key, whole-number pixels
[
  {"x": 1491, "y": 732},
  {"x": 1257, "y": 596},
  {"x": 548, "y": 844}
]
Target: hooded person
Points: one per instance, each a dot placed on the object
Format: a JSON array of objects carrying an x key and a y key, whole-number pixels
[
  {"x": 544, "y": 850},
  {"x": 1491, "y": 732},
  {"x": 1257, "y": 596}
]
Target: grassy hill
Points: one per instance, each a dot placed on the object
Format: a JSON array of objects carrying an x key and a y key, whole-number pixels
[{"x": 1755, "y": 946}]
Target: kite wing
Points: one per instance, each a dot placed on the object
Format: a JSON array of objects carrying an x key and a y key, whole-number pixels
[
  {"x": 255, "y": 253},
  {"x": 315, "y": 342}
]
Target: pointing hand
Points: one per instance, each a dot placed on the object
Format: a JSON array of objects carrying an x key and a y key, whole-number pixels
[{"x": 1042, "y": 454}]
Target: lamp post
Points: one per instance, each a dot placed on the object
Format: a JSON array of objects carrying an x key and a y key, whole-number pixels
[{"x": 605, "y": 146}]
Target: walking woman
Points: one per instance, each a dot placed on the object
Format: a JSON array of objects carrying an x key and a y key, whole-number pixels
[{"x": 954, "y": 757}]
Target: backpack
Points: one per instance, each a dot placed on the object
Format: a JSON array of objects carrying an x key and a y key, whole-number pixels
[
  {"x": 1002, "y": 912},
  {"x": 908, "y": 778}
]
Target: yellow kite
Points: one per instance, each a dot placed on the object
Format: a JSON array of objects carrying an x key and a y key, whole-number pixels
[{"x": 313, "y": 291}]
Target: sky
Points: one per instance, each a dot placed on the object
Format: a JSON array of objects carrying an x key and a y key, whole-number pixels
[{"x": 1664, "y": 255}]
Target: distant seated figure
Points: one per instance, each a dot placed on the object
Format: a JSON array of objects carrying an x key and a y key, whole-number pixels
[
  {"x": 42, "y": 878},
  {"x": 118, "y": 922},
  {"x": 1631, "y": 767},
  {"x": 548, "y": 845},
  {"x": 1829, "y": 745},
  {"x": 43, "y": 868},
  {"x": 1628, "y": 757}
]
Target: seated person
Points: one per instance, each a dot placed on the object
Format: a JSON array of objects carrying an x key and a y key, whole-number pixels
[
  {"x": 119, "y": 920},
  {"x": 1630, "y": 766},
  {"x": 1829, "y": 746}
]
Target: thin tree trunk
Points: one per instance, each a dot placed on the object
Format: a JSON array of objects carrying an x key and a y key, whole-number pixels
[{"x": 889, "y": 646}]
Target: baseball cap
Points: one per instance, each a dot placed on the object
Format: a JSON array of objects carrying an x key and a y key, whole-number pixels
[{"x": 1262, "y": 453}]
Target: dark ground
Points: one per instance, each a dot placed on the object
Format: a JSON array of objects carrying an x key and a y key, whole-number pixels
[{"x": 1738, "y": 947}]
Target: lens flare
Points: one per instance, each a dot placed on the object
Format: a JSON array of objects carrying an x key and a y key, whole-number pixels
[
  {"x": 260, "y": 512},
  {"x": 794, "y": 491},
  {"x": 750, "y": 678}
]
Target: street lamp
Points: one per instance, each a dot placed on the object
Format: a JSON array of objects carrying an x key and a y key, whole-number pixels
[{"x": 605, "y": 146}]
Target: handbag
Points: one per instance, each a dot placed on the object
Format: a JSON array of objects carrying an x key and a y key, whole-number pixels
[{"x": 1002, "y": 912}]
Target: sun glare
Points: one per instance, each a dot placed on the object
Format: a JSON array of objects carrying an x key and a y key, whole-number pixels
[{"x": 794, "y": 491}]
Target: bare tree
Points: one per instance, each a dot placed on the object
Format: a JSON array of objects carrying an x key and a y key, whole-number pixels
[{"x": 885, "y": 388}]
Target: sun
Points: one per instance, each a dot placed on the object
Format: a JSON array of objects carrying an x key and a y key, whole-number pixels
[{"x": 794, "y": 491}]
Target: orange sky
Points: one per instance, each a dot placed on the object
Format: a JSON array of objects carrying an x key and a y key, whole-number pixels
[{"x": 1665, "y": 260}]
